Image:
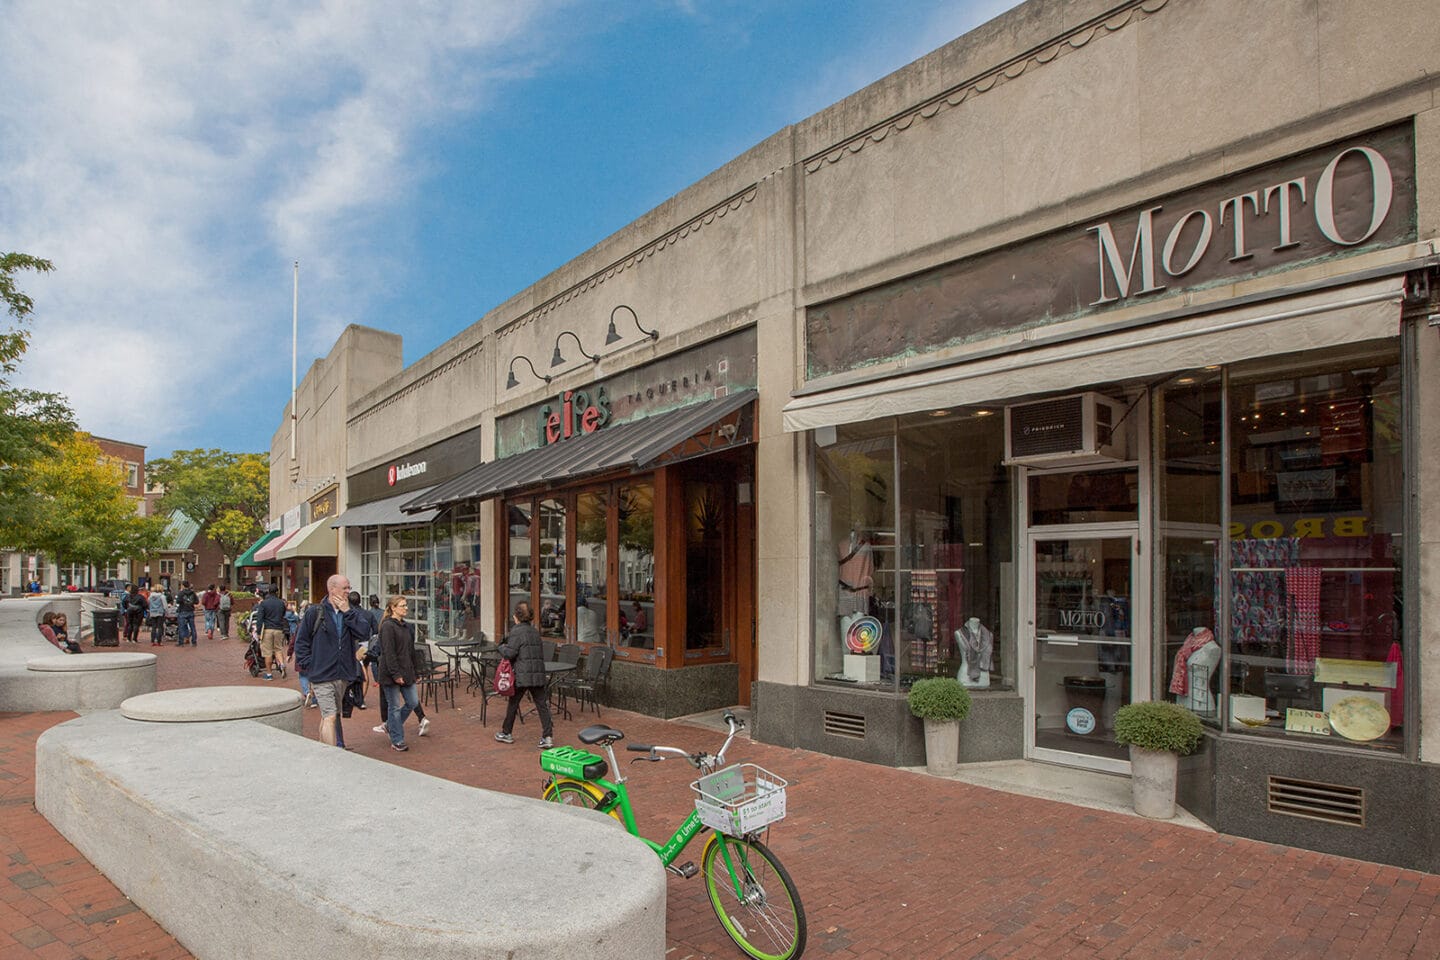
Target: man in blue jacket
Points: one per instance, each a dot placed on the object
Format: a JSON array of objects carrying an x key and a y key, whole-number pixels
[{"x": 325, "y": 647}]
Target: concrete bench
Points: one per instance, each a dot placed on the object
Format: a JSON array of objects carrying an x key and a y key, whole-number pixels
[
  {"x": 35, "y": 676},
  {"x": 272, "y": 706},
  {"x": 243, "y": 841}
]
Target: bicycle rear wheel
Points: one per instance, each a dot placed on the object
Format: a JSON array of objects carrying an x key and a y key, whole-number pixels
[
  {"x": 576, "y": 793},
  {"x": 766, "y": 919}
]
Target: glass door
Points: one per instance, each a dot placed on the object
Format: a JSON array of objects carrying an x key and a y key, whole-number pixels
[{"x": 1086, "y": 661}]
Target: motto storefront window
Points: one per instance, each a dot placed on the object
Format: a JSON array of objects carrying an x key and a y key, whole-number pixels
[
  {"x": 1315, "y": 524},
  {"x": 913, "y": 549}
]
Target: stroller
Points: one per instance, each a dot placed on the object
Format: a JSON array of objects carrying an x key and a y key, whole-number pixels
[{"x": 254, "y": 658}]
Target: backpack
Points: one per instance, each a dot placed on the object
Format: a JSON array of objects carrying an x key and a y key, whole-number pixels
[
  {"x": 505, "y": 679},
  {"x": 225, "y": 601}
]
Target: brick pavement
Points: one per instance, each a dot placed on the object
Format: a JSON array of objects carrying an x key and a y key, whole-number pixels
[{"x": 890, "y": 863}]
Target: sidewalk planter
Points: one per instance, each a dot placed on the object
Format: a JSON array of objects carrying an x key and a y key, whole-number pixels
[
  {"x": 1158, "y": 734},
  {"x": 941, "y": 703}
]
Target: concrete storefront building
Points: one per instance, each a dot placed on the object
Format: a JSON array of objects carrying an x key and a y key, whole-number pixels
[{"x": 1085, "y": 359}]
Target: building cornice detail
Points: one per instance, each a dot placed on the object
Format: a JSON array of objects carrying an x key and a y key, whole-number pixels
[
  {"x": 1074, "y": 39},
  {"x": 633, "y": 259},
  {"x": 464, "y": 356}
]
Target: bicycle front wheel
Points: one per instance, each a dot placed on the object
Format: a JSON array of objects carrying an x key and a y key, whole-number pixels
[
  {"x": 576, "y": 793},
  {"x": 763, "y": 916}
]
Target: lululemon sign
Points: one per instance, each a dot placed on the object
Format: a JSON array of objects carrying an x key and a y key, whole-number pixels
[{"x": 404, "y": 471}]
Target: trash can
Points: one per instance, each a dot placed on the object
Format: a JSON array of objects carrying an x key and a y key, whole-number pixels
[
  {"x": 1085, "y": 698},
  {"x": 107, "y": 628}
]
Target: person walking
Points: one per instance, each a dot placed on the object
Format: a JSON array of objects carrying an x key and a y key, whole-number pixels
[
  {"x": 156, "y": 610},
  {"x": 523, "y": 648},
  {"x": 396, "y": 670},
  {"x": 185, "y": 602},
  {"x": 210, "y": 602},
  {"x": 274, "y": 629},
  {"x": 325, "y": 651},
  {"x": 134, "y": 607},
  {"x": 227, "y": 603}
]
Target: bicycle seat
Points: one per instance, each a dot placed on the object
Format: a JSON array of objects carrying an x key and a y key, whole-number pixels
[{"x": 599, "y": 734}]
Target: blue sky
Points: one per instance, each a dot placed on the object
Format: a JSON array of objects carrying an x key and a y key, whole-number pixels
[{"x": 423, "y": 166}]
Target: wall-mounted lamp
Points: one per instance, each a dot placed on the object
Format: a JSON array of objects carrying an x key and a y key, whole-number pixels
[
  {"x": 613, "y": 336},
  {"x": 556, "y": 360},
  {"x": 511, "y": 383}
]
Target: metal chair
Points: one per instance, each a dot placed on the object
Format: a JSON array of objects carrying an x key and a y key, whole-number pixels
[
  {"x": 433, "y": 677},
  {"x": 548, "y": 649},
  {"x": 588, "y": 689}
]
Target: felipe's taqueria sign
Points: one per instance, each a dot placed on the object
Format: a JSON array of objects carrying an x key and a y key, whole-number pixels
[{"x": 1353, "y": 195}]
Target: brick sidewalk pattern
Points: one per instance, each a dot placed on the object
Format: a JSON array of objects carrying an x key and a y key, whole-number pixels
[{"x": 890, "y": 863}]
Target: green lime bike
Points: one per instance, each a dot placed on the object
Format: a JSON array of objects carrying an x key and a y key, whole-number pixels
[{"x": 750, "y": 892}]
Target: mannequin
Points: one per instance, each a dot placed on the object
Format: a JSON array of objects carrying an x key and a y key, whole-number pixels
[
  {"x": 976, "y": 646},
  {"x": 1190, "y": 677}
]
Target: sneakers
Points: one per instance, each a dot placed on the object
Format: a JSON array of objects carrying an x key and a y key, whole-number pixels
[
  {"x": 269, "y": 677},
  {"x": 282, "y": 671},
  {"x": 503, "y": 737},
  {"x": 424, "y": 726},
  {"x": 380, "y": 728},
  {"x": 399, "y": 747},
  {"x": 546, "y": 743}
]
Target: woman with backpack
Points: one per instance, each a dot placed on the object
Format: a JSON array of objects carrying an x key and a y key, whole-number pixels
[
  {"x": 396, "y": 670},
  {"x": 134, "y": 606}
]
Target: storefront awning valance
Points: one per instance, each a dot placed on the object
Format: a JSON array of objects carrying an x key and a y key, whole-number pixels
[
  {"x": 1310, "y": 321},
  {"x": 634, "y": 445},
  {"x": 312, "y": 540},
  {"x": 266, "y": 554},
  {"x": 384, "y": 512},
  {"x": 247, "y": 559}
]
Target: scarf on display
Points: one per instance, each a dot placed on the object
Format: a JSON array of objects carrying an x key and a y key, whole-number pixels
[
  {"x": 1302, "y": 584},
  {"x": 1180, "y": 675},
  {"x": 979, "y": 648}
]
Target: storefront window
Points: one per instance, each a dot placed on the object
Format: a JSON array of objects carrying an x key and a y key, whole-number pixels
[
  {"x": 518, "y": 514},
  {"x": 635, "y": 588},
  {"x": 705, "y": 544},
  {"x": 1316, "y": 517},
  {"x": 552, "y": 616},
  {"x": 913, "y": 567},
  {"x": 456, "y": 579},
  {"x": 370, "y": 564},
  {"x": 407, "y": 572},
  {"x": 1188, "y": 508},
  {"x": 592, "y": 526}
]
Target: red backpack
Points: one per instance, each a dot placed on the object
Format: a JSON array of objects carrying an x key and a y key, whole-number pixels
[{"x": 505, "y": 679}]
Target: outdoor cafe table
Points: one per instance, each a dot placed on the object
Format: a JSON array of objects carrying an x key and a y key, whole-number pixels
[
  {"x": 553, "y": 669},
  {"x": 455, "y": 649}
]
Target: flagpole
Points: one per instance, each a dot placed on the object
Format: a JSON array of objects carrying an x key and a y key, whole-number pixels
[{"x": 294, "y": 350}]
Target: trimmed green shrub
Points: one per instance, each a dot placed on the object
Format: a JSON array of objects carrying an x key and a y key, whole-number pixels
[
  {"x": 1155, "y": 725},
  {"x": 939, "y": 698}
]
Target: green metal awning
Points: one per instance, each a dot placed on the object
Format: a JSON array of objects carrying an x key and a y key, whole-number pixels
[{"x": 247, "y": 559}]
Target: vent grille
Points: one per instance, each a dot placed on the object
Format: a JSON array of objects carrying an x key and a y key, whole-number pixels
[
  {"x": 1331, "y": 802},
  {"x": 1050, "y": 426},
  {"x": 844, "y": 725}
]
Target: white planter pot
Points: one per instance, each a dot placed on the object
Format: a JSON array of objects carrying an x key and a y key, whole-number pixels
[
  {"x": 942, "y": 747},
  {"x": 1152, "y": 780}
]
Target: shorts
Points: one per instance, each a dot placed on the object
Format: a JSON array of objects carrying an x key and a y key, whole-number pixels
[
  {"x": 272, "y": 643},
  {"x": 329, "y": 694}
]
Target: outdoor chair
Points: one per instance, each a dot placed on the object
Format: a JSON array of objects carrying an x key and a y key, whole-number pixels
[
  {"x": 432, "y": 677},
  {"x": 547, "y": 650},
  {"x": 589, "y": 688}
]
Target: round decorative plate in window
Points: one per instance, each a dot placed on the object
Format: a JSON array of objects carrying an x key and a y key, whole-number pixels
[{"x": 1359, "y": 718}]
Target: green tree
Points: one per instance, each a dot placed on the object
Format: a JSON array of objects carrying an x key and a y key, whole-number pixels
[
  {"x": 33, "y": 424},
  {"x": 228, "y": 494},
  {"x": 77, "y": 511}
]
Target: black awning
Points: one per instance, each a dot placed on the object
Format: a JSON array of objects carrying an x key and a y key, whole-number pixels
[
  {"x": 639, "y": 444},
  {"x": 385, "y": 512}
]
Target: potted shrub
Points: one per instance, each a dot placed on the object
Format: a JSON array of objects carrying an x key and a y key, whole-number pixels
[
  {"x": 941, "y": 703},
  {"x": 1158, "y": 734}
]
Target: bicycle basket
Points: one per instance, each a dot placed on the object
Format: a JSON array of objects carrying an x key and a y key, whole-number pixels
[{"x": 739, "y": 799}]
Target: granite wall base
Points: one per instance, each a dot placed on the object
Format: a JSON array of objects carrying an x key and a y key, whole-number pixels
[
  {"x": 673, "y": 693},
  {"x": 878, "y": 727}
]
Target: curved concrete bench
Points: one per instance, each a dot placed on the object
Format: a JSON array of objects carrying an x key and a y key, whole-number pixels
[
  {"x": 34, "y": 676},
  {"x": 272, "y": 706},
  {"x": 243, "y": 841}
]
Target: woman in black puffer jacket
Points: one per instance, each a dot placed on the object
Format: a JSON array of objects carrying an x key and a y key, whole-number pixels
[{"x": 522, "y": 647}]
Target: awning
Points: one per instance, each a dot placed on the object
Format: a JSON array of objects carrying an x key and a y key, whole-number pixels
[
  {"x": 636, "y": 445},
  {"x": 247, "y": 559},
  {"x": 1325, "y": 318},
  {"x": 266, "y": 554},
  {"x": 383, "y": 512},
  {"x": 312, "y": 540}
]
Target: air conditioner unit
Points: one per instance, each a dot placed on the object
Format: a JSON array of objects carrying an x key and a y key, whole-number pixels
[{"x": 1083, "y": 428}]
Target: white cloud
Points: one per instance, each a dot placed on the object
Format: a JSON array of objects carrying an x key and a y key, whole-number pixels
[{"x": 173, "y": 158}]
